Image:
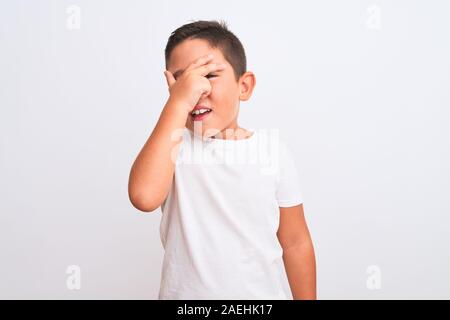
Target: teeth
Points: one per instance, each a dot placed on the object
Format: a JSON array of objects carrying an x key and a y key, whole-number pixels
[{"x": 200, "y": 111}]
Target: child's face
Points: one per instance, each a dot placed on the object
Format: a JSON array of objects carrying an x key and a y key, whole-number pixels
[{"x": 225, "y": 93}]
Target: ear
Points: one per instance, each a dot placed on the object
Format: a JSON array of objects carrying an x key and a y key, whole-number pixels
[{"x": 247, "y": 83}]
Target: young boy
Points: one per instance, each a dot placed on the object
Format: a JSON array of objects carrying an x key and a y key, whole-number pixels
[{"x": 227, "y": 227}]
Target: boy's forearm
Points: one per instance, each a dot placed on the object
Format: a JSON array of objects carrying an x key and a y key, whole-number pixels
[
  {"x": 300, "y": 265},
  {"x": 152, "y": 171}
]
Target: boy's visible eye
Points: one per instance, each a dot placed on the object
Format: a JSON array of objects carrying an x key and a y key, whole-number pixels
[{"x": 211, "y": 75}]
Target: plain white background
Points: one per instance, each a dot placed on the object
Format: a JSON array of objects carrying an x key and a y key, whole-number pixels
[{"x": 360, "y": 90}]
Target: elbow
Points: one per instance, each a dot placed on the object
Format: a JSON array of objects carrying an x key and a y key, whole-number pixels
[
  {"x": 143, "y": 204},
  {"x": 145, "y": 197}
]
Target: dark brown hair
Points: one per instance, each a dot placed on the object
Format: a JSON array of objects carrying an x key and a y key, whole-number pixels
[{"x": 216, "y": 33}]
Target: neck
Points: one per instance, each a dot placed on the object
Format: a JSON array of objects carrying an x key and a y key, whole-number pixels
[{"x": 233, "y": 132}]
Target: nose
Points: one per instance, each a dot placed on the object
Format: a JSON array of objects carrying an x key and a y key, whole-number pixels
[
  {"x": 204, "y": 95},
  {"x": 203, "y": 99}
]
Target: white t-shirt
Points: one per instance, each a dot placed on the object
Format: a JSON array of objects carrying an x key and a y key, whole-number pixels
[{"x": 220, "y": 218}]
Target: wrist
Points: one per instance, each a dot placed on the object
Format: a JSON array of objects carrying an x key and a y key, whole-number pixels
[{"x": 179, "y": 106}]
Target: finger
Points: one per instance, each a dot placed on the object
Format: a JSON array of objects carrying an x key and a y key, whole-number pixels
[
  {"x": 200, "y": 61},
  {"x": 211, "y": 67},
  {"x": 169, "y": 78}
]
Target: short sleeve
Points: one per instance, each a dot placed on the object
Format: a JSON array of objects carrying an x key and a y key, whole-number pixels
[{"x": 288, "y": 191}]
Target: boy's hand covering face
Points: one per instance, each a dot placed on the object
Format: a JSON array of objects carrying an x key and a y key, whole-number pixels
[{"x": 191, "y": 84}]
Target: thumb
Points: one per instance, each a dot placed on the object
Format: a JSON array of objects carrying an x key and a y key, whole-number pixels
[{"x": 169, "y": 78}]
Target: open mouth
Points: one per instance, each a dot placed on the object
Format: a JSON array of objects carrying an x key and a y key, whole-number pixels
[{"x": 200, "y": 114}]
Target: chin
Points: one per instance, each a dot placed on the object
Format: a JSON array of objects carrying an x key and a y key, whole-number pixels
[{"x": 198, "y": 125}]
